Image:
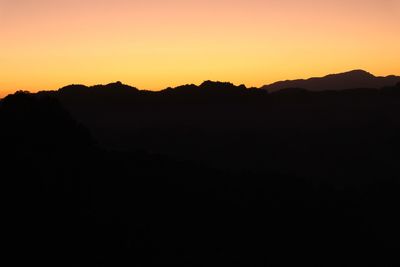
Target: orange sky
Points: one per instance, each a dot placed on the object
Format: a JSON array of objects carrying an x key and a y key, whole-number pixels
[{"x": 153, "y": 44}]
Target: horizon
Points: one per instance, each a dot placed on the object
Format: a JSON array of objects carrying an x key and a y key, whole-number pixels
[
  {"x": 157, "y": 44},
  {"x": 196, "y": 84}
]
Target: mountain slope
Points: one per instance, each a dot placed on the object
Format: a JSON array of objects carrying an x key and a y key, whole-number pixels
[{"x": 347, "y": 80}]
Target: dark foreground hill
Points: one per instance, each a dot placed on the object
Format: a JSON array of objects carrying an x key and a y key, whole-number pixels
[
  {"x": 206, "y": 175},
  {"x": 342, "y": 81},
  {"x": 295, "y": 131}
]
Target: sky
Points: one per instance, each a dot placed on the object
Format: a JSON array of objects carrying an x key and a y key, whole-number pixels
[{"x": 153, "y": 44}]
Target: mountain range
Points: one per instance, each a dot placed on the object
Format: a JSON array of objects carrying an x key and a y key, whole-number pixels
[
  {"x": 341, "y": 81},
  {"x": 225, "y": 125},
  {"x": 110, "y": 175},
  {"x": 355, "y": 79}
]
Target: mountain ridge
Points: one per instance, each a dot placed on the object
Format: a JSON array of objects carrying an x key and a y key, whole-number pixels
[
  {"x": 340, "y": 81},
  {"x": 355, "y": 79}
]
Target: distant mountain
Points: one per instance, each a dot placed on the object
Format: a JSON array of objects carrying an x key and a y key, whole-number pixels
[
  {"x": 208, "y": 86},
  {"x": 347, "y": 80},
  {"x": 117, "y": 95},
  {"x": 118, "y": 87},
  {"x": 113, "y": 88}
]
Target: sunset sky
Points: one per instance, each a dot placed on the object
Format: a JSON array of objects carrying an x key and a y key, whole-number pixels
[{"x": 153, "y": 44}]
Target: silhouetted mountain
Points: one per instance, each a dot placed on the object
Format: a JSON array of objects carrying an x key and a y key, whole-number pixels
[
  {"x": 348, "y": 80},
  {"x": 39, "y": 123},
  {"x": 113, "y": 88},
  {"x": 204, "y": 175},
  {"x": 208, "y": 89},
  {"x": 208, "y": 86},
  {"x": 229, "y": 126}
]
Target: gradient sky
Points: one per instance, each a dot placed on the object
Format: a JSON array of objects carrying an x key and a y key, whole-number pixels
[{"x": 153, "y": 44}]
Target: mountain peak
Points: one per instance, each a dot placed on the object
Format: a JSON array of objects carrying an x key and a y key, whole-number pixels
[
  {"x": 341, "y": 81},
  {"x": 73, "y": 88},
  {"x": 207, "y": 87},
  {"x": 116, "y": 84},
  {"x": 220, "y": 85},
  {"x": 100, "y": 88},
  {"x": 355, "y": 73}
]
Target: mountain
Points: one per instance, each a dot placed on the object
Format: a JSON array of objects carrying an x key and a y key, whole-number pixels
[
  {"x": 107, "y": 89},
  {"x": 113, "y": 176},
  {"x": 347, "y": 80},
  {"x": 234, "y": 127}
]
